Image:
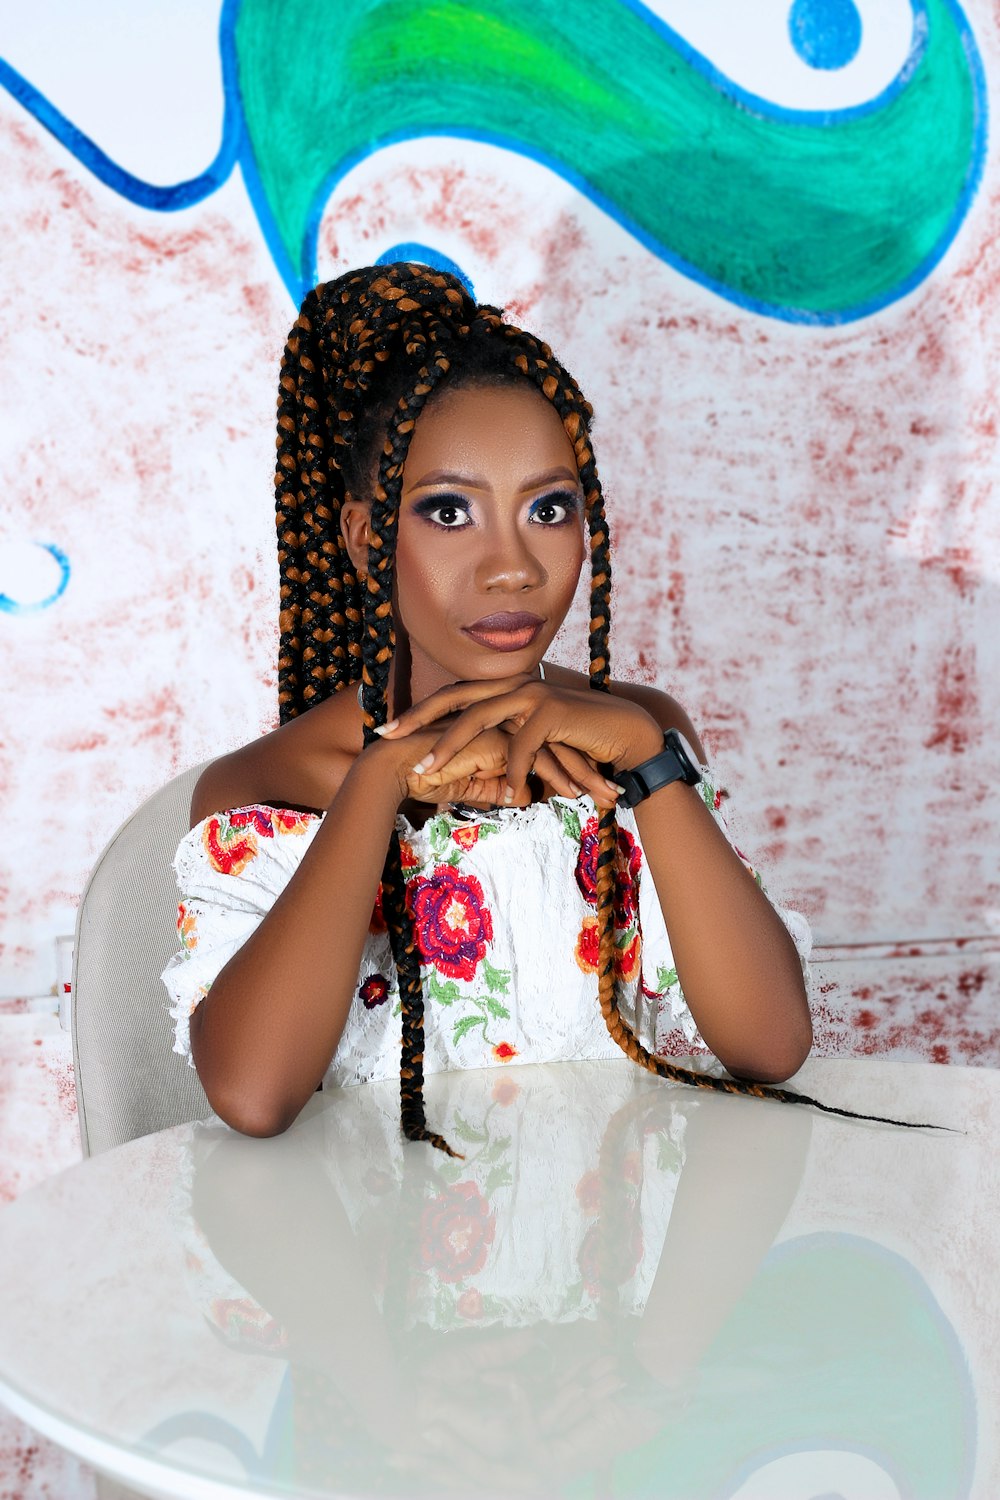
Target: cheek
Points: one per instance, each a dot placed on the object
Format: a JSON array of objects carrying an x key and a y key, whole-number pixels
[{"x": 425, "y": 580}]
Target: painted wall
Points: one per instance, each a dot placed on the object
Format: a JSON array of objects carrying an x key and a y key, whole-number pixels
[{"x": 765, "y": 239}]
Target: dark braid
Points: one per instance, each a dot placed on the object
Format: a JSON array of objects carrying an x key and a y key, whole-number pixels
[{"x": 404, "y": 328}]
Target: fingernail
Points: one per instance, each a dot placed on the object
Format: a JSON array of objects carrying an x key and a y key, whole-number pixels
[
  {"x": 614, "y": 786},
  {"x": 576, "y": 790},
  {"x": 387, "y": 728},
  {"x": 508, "y": 795},
  {"x": 422, "y": 765}
]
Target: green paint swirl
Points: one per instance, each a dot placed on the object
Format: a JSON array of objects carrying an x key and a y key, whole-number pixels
[{"x": 806, "y": 217}]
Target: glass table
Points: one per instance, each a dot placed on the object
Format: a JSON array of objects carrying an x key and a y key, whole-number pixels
[{"x": 626, "y": 1288}]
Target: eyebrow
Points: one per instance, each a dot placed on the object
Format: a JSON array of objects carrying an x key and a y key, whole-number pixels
[{"x": 476, "y": 482}]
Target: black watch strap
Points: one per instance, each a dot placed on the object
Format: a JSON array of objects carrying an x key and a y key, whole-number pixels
[{"x": 675, "y": 762}]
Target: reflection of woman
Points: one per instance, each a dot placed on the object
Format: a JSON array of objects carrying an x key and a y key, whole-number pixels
[
  {"x": 523, "y": 1344},
  {"x": 677, "y": 1363},
  {"x": 435, "y": 484}
]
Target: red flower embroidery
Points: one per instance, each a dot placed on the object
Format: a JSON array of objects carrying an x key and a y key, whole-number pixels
[
  {"x": 377, "y": 923},
  {"x": 627, "y": 959},
  {"x": 256, "y": 817},
  {"x": 466, "y": 837},
  {"x": 588, "y": 945},
  {"x": 407, "y": 858},
  {"x": 291, "y": 822},
  {"x": 451, "y": 921},
  {"x": 229, "y": 851},
  {"x": 470, "y": 1304},
  {"x": 186, "y": 927},
  {"x": 588, "y": 1192},
  {"x": 503, "y": 1052},
  {"x": 456, "y": 1232},
  {"x": 505, "y": 1091},
  {"x": 628, "y": 863},
  {"x": 374, "y": 991}
]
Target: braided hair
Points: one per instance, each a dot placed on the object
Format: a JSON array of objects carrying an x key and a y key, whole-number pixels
[{"x": 362, "y": 359}]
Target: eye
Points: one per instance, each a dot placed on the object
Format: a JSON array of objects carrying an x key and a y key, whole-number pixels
[
  {"x": 550, "y": 506},
  {"x": 448, "y": 507}
]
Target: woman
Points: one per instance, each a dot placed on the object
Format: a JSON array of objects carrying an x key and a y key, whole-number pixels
[{"x": 435, "y": 482}]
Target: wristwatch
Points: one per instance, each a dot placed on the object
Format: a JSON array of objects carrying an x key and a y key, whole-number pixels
[{"x": 675, "y": 762}]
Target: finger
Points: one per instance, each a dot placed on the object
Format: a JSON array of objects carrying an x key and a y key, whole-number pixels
[
  {"x": 525, "y": 745},
  {"x": 451, "y": 698},
  {"x": 579, "y": 772},
  {"x": 486, "y": 714}
]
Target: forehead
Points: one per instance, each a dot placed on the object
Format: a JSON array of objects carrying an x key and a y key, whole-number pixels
[{"x": 497, "y": 431}]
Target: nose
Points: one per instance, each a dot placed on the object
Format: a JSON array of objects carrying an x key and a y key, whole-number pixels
[{"x": 509, "y": 563}]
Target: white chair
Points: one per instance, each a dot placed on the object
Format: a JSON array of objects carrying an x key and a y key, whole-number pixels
[{"x": 129, "y": 1082}]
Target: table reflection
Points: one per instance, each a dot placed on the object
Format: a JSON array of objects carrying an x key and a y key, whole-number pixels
[{"x": 597, "y": 1301}]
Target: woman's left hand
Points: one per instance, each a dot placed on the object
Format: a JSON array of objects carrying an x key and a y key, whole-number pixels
[{"x": 576, "y": 728}]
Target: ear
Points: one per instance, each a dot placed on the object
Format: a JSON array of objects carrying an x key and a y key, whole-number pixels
[{"x": 355, "y": 516}]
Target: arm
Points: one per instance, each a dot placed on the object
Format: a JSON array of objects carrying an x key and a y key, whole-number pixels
[
  {"x": 264, "y": 1034},
  {"x": 736, "y": 962}
]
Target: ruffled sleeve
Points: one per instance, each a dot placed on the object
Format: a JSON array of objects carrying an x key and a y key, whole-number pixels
[
  {"x": 230, "y": 870},
  {"x": 675, "y": 1029}
]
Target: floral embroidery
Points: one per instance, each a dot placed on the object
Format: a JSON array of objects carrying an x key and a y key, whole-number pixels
[
  {"x": 374, "y": 991},
  {"x": 627, "y": 957},
  {"x": 588, "y": 1193},
  {"x": 229, "y": 849},
  {"x": 503, "y": 1052},
  {"x": 407, "y": 857},
  {"x": 505, "y": 1091},
  {"x": 467, "y": 836},
  {"x": 186, "y": 929},
  {"x": 628, "y": 863},
  {"x": 452, "y": 922},
  {"x": 588, "y": 945},
  {"x": 456, "y": 1232},
  {"x": 377, "y": 922},
  {"x": 258, "y": 818},
  {"x": 470, "y": 1304}
]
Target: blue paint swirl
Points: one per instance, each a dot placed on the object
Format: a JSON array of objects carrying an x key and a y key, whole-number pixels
[{"x": 12, "y": 606}]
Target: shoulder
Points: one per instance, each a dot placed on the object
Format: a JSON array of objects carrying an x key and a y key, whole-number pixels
[
  {"x": 298, "y": 766},
  {"x": 661, "y": 706}
]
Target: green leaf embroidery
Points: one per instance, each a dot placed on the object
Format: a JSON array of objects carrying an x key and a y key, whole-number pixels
[
  {"x": 626, "y": 937},
  {"x": 494, "y": 1150},
  {"x": 668, "y": 1154},
  {"x": 465, "y": 1025},
  {"x": 447, "y": 993},
  {"x": 497, "y": 979},
  {"x": 665, "y": 978},
  {"x": 571, "y": 824},
  {"x": 468, "y": 1132},
  {"x": 499, "y": 1176},
  {"x": 495, "y": 1008},
  {"x": 708, "y": 792},
  {"x": 487, "y": 828},
  {"x": 450, "y": 1171}
]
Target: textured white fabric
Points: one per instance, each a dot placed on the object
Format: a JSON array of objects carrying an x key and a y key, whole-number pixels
[{"x": 504, "y": 910}]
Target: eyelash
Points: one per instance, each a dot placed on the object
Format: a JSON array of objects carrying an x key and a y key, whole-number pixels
[{"x": 426, "y": 508}]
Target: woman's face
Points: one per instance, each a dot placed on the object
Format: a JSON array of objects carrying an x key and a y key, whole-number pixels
[{"x": 491, "y": 535}]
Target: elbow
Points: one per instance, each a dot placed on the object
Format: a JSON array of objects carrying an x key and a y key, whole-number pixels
[
  {"x": 774, "y": 1064},
  {"x": 248, "y": 1120}
]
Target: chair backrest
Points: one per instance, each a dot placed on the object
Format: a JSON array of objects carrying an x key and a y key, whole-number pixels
[{"x": 129, "y": 1081}]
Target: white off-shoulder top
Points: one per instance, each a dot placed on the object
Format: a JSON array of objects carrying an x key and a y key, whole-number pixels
[{"x": 504, "y": 911}]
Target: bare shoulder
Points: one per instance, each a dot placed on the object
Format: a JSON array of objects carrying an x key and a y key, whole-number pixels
[
  {"x": 300, "y": 765},
  {"x": 661, "y": 706}
]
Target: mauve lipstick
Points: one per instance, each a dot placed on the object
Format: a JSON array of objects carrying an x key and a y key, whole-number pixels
[{"x": 508, "y": 630}]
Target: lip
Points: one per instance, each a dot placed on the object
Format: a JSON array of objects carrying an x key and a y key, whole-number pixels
[{"x": 505, "y": 632}]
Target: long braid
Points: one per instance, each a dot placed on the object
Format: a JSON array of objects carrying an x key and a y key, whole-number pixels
[
  {"x": 332, "y": 629},
  {"x": 558, "y": 386}
]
